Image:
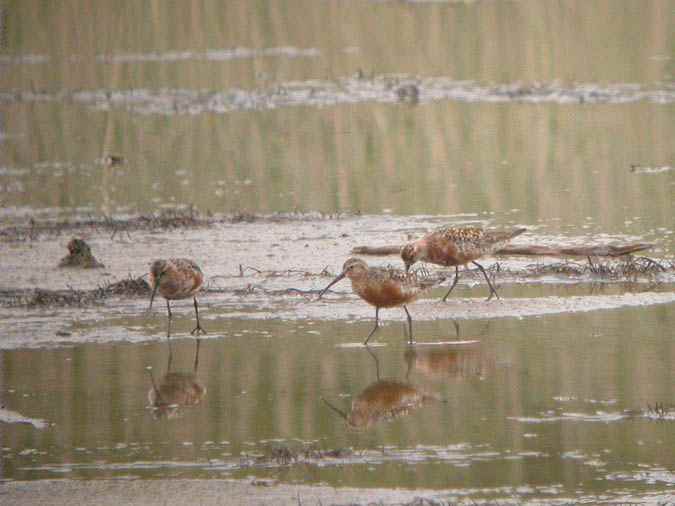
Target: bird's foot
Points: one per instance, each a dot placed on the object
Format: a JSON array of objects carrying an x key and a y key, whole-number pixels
[{"x": 198, "y": 331}]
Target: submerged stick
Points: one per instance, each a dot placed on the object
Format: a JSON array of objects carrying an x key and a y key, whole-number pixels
[{"x": 377, "y": 250}]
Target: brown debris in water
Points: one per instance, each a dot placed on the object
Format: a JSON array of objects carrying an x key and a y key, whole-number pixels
[
  {"x": 660, "y": 412},
  {"x": 603, "y": 250},
  {"x": 377, "y": 250},
  {"x": 425, "y": 501},
  {"x": 113, "y": 160},
  {"x": 129, "y": 287},
  {"x": 628, "y": 268},
  {"x": 49, "y": 298},
  {"x": 271, "y": 273},
  {"x": 284, "y": 455},
  {"x": 79, "y": 255},
  {"x": 244, "y": 217},
  {"x": 36, "y": 298},
  {"x": 167, "y": 219}
]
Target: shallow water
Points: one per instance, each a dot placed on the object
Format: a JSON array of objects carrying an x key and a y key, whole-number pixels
[
  {"x": 399, "y": 117},
  {"x": 270, "y": 109},
  {"x": 555, "y": 404}
]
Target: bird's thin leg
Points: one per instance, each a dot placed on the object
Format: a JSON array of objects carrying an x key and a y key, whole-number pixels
[
  {"x": 377, "y": 362},
  {"x": 170, "y": 359},
  {"x": 197, "y": 355},
  {"x": 453, "y": 283},
  {"x": 377, "y": 322},
  {"x": 454, "y": 322},
  {"x": 409, "y": 324},
  {"x": 410, "y": 356},
  {"x": 198, "y": 329},
  {"x": 168, "y": 325},
  {"x": 492, "y": 288}
]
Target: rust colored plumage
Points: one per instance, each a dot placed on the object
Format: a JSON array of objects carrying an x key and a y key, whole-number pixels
[
  {"x": 384, "y": 287},
  {"x": 453, "y": 246},
  {"x": 176, "y": 278}
]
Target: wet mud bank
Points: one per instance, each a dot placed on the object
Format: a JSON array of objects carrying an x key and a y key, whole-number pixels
[
  {"x": 273, "y": 267},
  {"x": 218, "y": 492},
  {"x": 165, "y": 220}
]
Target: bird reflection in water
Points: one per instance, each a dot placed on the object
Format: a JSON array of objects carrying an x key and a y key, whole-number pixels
[
  {"x": 176, "y": 389},
  {"x": 449, "y": 362},
  {"x": 382, "y": 401},
  {"x": 455, "y": 360}
]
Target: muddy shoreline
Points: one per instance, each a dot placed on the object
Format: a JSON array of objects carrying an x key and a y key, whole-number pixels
[
  {"x": 241, "y": 252},
  {"x": 220, "y": 492},
  {"x": 166, "y": 220},
  {"x": 272, "y": 268}
]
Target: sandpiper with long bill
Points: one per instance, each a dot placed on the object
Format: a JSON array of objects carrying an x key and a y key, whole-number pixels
[
  {"x": 385, "y": 287},
  {"x": 455, "y": 246},
  {"x": 177, "y": 278}
]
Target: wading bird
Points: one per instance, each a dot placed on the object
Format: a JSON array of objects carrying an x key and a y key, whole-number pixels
[
  {"x": 176, "y": 278},
  {"x": 385, "y": 287},
  {"x": 448, "y": 246}
]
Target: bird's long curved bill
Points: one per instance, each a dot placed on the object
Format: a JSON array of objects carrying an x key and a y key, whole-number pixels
[
  {"x": 154, "y": 291},
  {"x": 338, "y": 278}
]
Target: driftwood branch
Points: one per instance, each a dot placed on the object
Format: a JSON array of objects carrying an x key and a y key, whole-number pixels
[
  {"x": 377, "y": 250},
  {"x": 584, "y": 251}
]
